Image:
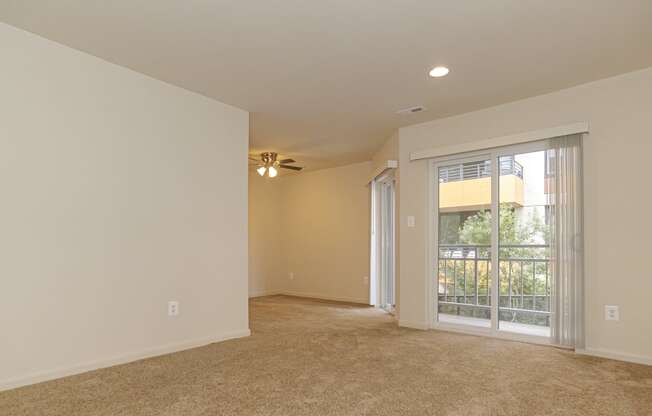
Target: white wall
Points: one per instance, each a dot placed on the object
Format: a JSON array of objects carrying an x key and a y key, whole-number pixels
[
  {"x": 119, "y": 193},
  {"x": 266, "y": 236},
  {"x": 617, "y": 198}
]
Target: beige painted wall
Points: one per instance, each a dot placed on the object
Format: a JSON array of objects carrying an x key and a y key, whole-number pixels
[
  {"x": 265, "y": 236},
  {"x": 618, "y": 230},
  {"x": 119, "y": 193},
  {"x": 388, "y": 151},
  {"x": 325, "y": 239}
]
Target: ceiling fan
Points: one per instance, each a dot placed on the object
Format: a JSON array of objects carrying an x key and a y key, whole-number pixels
[{"x": 269, "y": 164}]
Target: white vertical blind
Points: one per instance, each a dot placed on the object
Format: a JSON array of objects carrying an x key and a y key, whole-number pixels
[{"x": 567, "y": 306}]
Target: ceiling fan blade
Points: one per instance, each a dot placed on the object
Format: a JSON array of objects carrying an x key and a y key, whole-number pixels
[
  {"x": 287, "y": 161},
  {"x": 290, "y": 167}
]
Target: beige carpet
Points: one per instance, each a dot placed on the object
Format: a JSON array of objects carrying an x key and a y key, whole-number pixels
[{"x": 317, "y": 358}]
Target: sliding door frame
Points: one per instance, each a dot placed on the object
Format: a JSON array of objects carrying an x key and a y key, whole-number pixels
[
  {"x": 378, "y": 236},
  {"x": 432, "y": 257},
  {"x": 387, "y": 274}
]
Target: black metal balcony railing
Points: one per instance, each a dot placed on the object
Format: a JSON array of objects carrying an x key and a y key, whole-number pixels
[
  {"x": 479, "y": 169},
  {"x": 524, "y": 282}
]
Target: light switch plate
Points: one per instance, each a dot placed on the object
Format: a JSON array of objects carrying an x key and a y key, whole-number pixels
[{"x": 411, "y": 221}]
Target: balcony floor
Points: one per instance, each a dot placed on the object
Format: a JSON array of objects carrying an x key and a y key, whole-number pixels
[{"x": 506, "y": 326}]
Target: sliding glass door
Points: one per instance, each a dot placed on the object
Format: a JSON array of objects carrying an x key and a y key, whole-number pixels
[
  {"x": 387, "y": 256},
  {"x": 524, "y": 245},
  {"x": 382, "y": 283},
  {"x": 492, "y": 229},
  {"x": 464, "y": 239}
]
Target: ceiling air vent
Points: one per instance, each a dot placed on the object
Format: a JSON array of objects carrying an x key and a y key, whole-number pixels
[{"x": 411, "y": 110}]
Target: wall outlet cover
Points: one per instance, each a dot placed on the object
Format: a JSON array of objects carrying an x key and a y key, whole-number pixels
[
  {"x": 611, "y": 313},
  {"x": 173, "y": 308}
]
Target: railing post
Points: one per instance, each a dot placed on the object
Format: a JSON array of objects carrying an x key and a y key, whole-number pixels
[
  {"x": 455, "y": 281},
  {"x": 487, "y": 275},
  {"x": 534, "y": 285},
  {"x": 464, "y": 265},
  {"x": 546, "y": 292},
  {"x": 445, "y": 278},
  {"x": 475, "y": 273},
  {"x": 509, "y": 274},
  {"x": 522, "y": 286}
]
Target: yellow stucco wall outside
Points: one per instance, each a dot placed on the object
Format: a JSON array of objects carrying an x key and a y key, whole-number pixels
[{"x": 475, "y": 194}]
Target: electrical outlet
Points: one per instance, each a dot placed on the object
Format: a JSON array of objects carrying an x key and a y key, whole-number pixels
[
  {"x": 173, "y": 308},
  {"x": 291, "y": 275},
  {"x": 611, "y": 313},
  {"x": 365, "y": 280}
]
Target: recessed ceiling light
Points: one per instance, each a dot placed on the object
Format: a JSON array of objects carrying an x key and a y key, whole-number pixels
[{"x": 439, "y": 71}]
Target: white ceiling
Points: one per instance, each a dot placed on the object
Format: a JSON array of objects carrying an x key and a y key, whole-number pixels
[{"x": 324, "y": 79}]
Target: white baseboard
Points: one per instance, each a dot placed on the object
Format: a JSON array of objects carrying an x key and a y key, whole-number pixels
[
  {"x": 413, "y": 324},
  {"x": 260, "y": 293},
  {"x": 122, "y": 359},
  {"x": 363, "y": 301},
  {"x": 615, "y": 355}
]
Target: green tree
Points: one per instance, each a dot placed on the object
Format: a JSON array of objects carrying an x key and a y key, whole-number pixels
[
  {"x": 476, "y": 230},
  {"x": 512, "y": 231}
]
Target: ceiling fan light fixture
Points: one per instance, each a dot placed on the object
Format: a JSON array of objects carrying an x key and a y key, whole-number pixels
[{"x": 269, "y": 165}]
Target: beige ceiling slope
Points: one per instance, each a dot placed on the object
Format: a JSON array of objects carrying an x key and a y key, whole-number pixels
[{"x": 324, "y": 79}]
